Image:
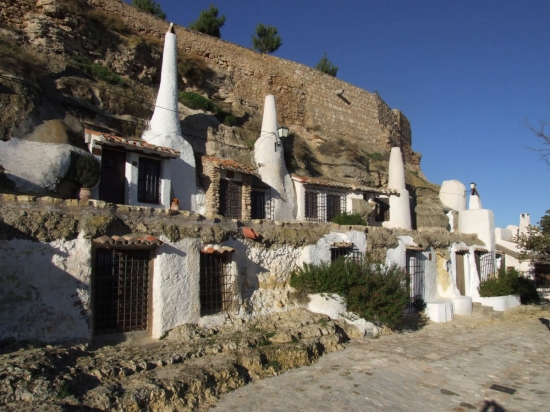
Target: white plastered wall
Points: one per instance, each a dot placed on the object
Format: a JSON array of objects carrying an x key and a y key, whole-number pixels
[
  {"x": 45, "y": 292},
  {"x": 175, "y": 285},
  {"x": 320, "y": 252}
]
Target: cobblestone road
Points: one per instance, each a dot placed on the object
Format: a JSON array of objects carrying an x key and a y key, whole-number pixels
[{"x": 442, "y": 367}]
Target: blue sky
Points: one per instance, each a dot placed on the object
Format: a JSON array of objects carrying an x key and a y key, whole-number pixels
[{"x": 468, "y": 75}]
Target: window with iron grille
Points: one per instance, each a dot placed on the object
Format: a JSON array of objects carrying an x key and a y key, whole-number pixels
[
  {"x": 383, "y": 214},
  {"x": 215, "y": 283},
  {"x": 312, "y": 206},
  {"x": 334, "y": 206},
  {"x": 415, "y": 269},
  {"x": 485, "y": 264},
  {"x": 350, "y": 252},
  {"x": 120, "y": 289},
  {"x": 149, "y": 180}
]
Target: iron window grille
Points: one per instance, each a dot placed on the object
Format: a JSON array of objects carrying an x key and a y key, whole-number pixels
[
  {"x": 350, "y": 252},
  {"x": 262, "y": 206},
  {"x": 415, "y": 270},
  {"x": 383, "y": 214},
  {"x": 215, "y": 283},
  {"x": 120, "y": 290},
  {"x": 323, "y": 206},
  {"x": 485, "y": 264},
  {"x": 149, "y": 180},
  {"x": 312, "y": 206}
]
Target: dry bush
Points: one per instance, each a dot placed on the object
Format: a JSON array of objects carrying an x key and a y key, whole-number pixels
[
  {"x": 26, "y": 60},
  {"x": 108, "y": 21},
  {"x": 154, "y": 41},
  {"x": 73, "y": 6},
  {"x": 192, "y": 67}
]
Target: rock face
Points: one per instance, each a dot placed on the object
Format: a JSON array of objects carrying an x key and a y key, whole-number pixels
[
  {"x": 98, "y": 61},
  {"x": 187, "y": 371}
]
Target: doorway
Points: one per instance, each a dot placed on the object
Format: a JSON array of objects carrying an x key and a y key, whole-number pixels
[
  {"x": 112, "y": 187},
  {"x": 460, "y": 282}
]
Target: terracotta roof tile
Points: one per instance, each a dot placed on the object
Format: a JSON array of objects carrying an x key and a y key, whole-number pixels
[
  {"x": 228, "y": 164},
  {"x": 328, "y": 183},
  {"x": 135, "y": 144},
  {"x": 216, "y": 249},
  {"x": 128, "y": 240}
]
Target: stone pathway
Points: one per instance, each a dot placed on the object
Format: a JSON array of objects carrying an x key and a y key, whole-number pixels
[{"x": 443, "y": 367}]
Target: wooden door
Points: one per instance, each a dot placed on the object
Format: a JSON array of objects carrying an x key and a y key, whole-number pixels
[
  {"x": 230, "y": 199},
  {"x": 258, "y": 204},
  {"x": 460, "y": 283},
  {"x": 112, "y": 186}
]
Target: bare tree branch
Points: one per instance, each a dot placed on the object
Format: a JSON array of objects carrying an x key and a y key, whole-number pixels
[{"x": 543, "y": 137}]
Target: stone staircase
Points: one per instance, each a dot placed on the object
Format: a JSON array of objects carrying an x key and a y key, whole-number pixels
[{"x": 486, "y": 311}]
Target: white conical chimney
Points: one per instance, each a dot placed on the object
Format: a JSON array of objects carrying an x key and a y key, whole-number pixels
[
  {"x": 165, "y": 130},
  {"x": 400, "y": 209},
  {"x": 269, "y": 158}
]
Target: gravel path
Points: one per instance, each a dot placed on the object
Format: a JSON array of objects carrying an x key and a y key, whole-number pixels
[{"x": 443, "y": 367}]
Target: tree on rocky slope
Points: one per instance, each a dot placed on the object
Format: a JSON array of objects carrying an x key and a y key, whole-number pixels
[
  {"x": 266, "y": 39},
  {"x": 150, "y": 6},
  {"x": 326, "y": 66},
  {"x": 209, "y": 22},
  {"x": 535, "y": 244}
]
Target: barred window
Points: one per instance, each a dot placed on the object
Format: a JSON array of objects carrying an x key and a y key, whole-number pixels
[
  {"x": 485, "y": 264},
  {"x": 334, "y": 206},
  {"x": 149, "y": 180},
  {"x": 215, "y": 283},
  {"x": 383, "y": 214},
  {"x": 349, "y": 252},
  {"x": 120, "y": 290},
  {"x": 312, "y": 205}
]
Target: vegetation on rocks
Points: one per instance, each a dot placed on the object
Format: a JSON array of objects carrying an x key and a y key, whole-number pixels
[
  {"x": 373, "y": 290},
  {"x": 197, "y": 102},
  {"x": 509, "y": 282},
  {"x": 345, "y": 218},
  {"x": 98, "y": 71}
]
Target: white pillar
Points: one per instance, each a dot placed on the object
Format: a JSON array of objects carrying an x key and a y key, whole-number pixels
[
  {"x": 269, "y": 158},
  {"x": 400, "y": 209},
  {"x": 524, "y": 222},
  {"x": 164, "y": 128}
]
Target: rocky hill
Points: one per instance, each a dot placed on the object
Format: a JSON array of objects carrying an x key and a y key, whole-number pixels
[{"x": 67, "y": 64}]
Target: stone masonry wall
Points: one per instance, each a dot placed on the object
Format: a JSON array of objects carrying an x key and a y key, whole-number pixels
[{"x": 306, "y": 97}]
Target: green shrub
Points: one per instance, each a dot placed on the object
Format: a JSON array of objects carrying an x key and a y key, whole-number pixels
[
  {"x": 374, "y": 291},
  {"x": 349, "y": 219},
  {"x": 88, "y": 171},
  {"x": 196, "y": 101},
  {"x": 509, "y": 282},
  {"x": 98, "y": 71}
]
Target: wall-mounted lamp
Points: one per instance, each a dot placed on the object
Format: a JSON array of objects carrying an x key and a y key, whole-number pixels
[{"x": 281, "y": 132}]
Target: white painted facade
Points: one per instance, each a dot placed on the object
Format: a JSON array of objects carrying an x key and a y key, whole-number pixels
[
  {"x": 480, "y": 222},
  {"x": 269, "y": 159},
  {"x": 453, "y": 195},
  {"x": 165, "y": 130},
  {"x": 505, "y": 243},
  {"x": 400, "y": 209}
]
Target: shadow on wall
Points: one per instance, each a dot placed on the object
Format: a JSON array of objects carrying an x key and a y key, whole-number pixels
[
  {"x": 39, "y": 301},
  {"x": 248, "y": 273}
]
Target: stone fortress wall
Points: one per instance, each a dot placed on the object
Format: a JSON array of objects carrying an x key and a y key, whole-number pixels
[{"x": 306, "y": 97}]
